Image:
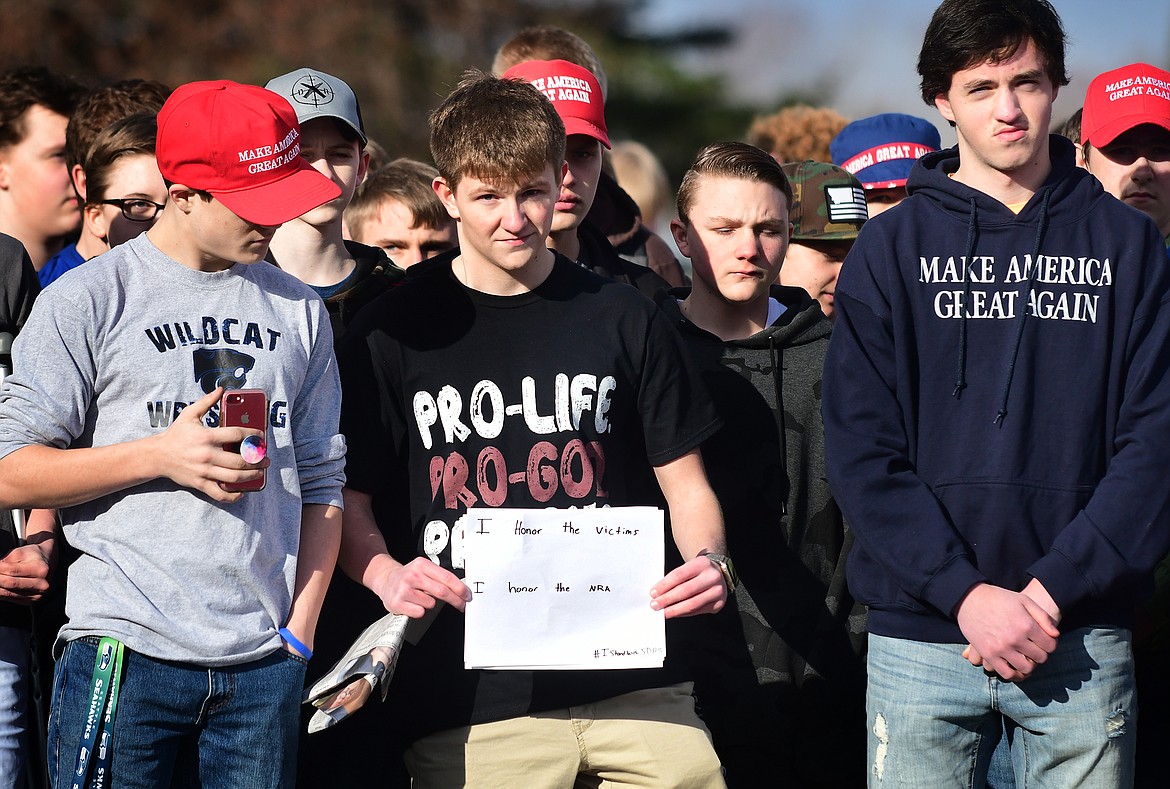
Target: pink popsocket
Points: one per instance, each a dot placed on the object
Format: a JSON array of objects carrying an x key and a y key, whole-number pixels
[{"x": 253, "y": 449}]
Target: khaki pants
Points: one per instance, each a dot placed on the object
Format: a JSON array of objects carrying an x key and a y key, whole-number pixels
[{"x": 649, "y": 738}]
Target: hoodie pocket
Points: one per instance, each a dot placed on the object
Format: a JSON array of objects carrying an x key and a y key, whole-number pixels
[{"x": 1004, "y": 527}]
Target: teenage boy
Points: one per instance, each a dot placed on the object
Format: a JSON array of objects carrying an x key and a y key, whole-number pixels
[
  {"x": 1127, "y": 148},
  {"x": 38, "y": 206},
  {"x": 397, "y": 210},
  {"x": 312, "y": 247},
  {"x": 210, "y": 596},
  {"x": 346, "y": 275},
  {"x": 783, "y": 688},
  {"x": 513, "y": 315},
  {"x": 880, "y": 150},
  {"x": 577, "y": 96},
  {"x": 995, "y": 411},
  {"x": 100, "y": 108},
  {"x": 828, "y": 209},
  {"x": 1126, "y": 138},
  {"x": 613, "y": 213}
]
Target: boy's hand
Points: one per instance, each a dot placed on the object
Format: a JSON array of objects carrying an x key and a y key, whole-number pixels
[
  {"x": 192, "y": 454},
  {"x": 414, "y": 588},
  {"x": 695, "y": 588},
  {"x": 1048, "y": 613},
  {"x": 1036, "y": 591},
  {"x": 1008, "y": 632},
  {"x": 24, "y": 574}
]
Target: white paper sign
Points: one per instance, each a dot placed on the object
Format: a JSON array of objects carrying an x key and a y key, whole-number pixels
[{"x": 563, "y": 588}]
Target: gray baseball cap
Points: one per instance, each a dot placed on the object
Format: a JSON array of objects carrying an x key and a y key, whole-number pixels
[{"x": 315, "y": 94}]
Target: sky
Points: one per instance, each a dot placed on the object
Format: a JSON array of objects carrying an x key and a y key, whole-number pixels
[{"x": 860, "y": 55}]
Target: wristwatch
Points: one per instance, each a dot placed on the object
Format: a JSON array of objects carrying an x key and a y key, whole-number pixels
[{"x": 726, "y": 568}]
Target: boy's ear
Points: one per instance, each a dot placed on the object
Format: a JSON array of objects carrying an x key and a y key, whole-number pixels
[
  {"x": 679, "y": 231},
  {"x": 181, "y": 197},
  {"x": 943, "y": 105},
  {"x": 363, "y": 167},
  {"x": 95, "y": 220},
  {"x": 78, "y": 176},
  {"x": 446, "y": 196}
]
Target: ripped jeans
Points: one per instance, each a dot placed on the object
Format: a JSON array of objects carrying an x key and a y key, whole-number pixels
[{"x": 934, "y": 719}]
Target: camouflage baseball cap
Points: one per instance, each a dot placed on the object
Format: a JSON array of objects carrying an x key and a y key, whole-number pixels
[{"x": 828, "y": 204}]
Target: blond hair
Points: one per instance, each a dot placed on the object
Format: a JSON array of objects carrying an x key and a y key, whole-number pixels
[
  {"x": 638, "y": 171},
  {"x": 406, "y": 181}
]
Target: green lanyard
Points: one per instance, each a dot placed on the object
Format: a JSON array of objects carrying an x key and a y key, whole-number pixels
[{"x": 99, "y": 721}]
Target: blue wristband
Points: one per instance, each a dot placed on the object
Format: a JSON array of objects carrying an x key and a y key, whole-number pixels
[{"x": 295, "y": 643}]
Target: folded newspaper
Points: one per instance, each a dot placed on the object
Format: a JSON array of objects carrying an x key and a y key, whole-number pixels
[{"x": 370, "y": 662}]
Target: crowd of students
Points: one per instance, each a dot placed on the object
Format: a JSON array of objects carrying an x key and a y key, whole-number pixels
[{"x": 905, "y": 417}]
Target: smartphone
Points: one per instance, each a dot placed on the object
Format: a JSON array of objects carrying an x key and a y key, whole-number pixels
[{"x": 244, "y": 408}]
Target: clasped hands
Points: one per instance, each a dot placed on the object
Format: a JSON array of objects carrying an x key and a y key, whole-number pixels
[{"x": 1009, "y": 633}]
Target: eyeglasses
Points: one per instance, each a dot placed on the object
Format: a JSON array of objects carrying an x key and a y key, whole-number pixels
[{"x": 135, "y": 208}]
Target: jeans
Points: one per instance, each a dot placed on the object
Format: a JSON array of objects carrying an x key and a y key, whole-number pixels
[
  {"x": 14, "y": 658},
  {"x": 1001, "y": 774},
  {"x": 180, "y": 724},
  {"x": 934, "y": 719}
]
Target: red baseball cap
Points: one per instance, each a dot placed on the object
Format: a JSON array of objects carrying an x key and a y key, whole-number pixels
[
  {"x": 1120, "y": 99},
  {"x": 574, "y": 92},
  {"x": 242, "y": 144}
]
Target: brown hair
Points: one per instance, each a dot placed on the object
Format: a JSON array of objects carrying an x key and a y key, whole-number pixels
[
  {"x": 104, "y": 105},
  {"x": 495, "y": 130},
  {"x": 730, "y": 160},
  {"x": 1072, "y": 127},
  {"x": 798, "y": 133},
  {"x": 546, "y": 42},
  {"x": 405, "y": 180},
  {"x": 26, "y": 87},
  {"x": 131, "y": 136}
]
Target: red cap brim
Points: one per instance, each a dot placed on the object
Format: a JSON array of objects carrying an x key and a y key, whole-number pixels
[
  {"x": 283, "y": 200},
  {"x": 582, "y": 126},
  {"x": 1112, "y": 129}
]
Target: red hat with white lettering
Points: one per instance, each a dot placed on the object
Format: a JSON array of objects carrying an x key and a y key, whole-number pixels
[
  {"x": 242, "y": 144},
  {"x": 1123, "y": 98},
  {"x": 574, "y": 92}
]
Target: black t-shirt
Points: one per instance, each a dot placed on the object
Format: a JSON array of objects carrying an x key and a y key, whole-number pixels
[{"x": 565, "y": 396}]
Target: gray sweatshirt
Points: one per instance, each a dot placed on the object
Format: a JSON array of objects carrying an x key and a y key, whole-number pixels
[{"x": 112, "y": 354}]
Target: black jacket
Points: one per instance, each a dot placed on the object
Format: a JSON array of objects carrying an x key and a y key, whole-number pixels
[
  {"x": 18, "y": 288},
  {"x": 782, "y": 683},
  {"x": 599, "y": 256}
]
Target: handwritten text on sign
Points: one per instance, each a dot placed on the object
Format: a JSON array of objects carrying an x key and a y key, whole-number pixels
[{"x": 563, "y": 588}]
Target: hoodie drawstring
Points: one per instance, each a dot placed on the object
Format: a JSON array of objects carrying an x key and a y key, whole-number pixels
[
  {"x": 1041, "y": 227},
  {"x": 961, "y": 377}
]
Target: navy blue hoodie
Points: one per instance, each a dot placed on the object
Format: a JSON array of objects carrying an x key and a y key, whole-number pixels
[{"x": 1008, "y": 424}]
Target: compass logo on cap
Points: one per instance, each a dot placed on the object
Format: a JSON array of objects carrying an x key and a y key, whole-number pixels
[{"x": 312, "y": 90}]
